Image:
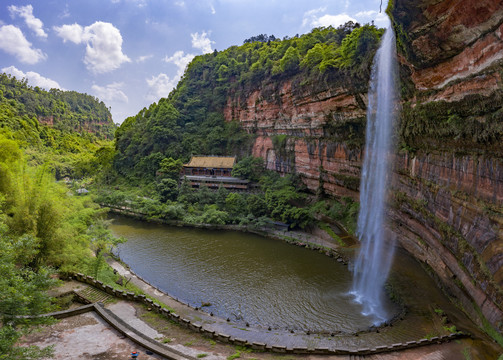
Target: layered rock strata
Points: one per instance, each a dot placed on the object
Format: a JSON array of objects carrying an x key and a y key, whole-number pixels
[{"x": 447, "y": 188}]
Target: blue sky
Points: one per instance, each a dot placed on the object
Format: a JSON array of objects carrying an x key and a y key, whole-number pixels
[{"x": 130, "y": 53}]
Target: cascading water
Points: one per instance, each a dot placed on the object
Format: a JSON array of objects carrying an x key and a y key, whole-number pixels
[{"x": 376, "y": 253}]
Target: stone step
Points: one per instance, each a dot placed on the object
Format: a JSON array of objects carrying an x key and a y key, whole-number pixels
[{"x": 93, "y": 295}]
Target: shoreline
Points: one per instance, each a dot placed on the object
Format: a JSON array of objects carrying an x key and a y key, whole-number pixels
[
  {"x": 281, "y": 340},
  {"x": 305, "y": 239},
  {"x": 297, "y": 238}
]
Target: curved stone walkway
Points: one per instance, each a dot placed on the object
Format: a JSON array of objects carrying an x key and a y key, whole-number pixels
[
  {"x": 144, "y": 336},
  {"x": 402, "y": 335}
]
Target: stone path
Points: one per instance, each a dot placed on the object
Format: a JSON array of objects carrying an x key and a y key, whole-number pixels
[
  {"x": 91, "y": 295},
  {"x": 88, "y": 336}
]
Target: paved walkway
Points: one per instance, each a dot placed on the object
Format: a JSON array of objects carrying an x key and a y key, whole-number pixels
[{"x": 88, "y": 336}]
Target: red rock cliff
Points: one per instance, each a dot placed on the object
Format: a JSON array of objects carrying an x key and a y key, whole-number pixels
[
  {"x": 317, "y": 129},
  {"x": 447, "y": 196}
]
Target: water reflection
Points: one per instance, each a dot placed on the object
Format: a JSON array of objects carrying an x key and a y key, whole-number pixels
[{"x": 244, "y": 277}]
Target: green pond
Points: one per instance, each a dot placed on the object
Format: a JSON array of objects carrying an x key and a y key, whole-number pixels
[{"x": 241, "y": 276}]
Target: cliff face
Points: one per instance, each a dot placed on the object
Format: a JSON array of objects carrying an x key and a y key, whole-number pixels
[
  {"x": 448, "y": 192},
  {"x": 98, "y": 127},
  {"x": 447, "y": 189},
  {"x": 317, "y": 134}
]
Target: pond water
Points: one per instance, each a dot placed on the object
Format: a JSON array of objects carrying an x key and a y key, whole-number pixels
[{"x": 244, "y": 277}]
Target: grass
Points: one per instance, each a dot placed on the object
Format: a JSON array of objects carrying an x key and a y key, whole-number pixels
[
  {"x": 332, "y": 234},
  {"x": 200, "y": 356},
  {"x": 451, "y": 329},
  {"x": 236, "y": 355},
  {"x": 466, "y": 354},
  {"x": 487, "y": 327}
]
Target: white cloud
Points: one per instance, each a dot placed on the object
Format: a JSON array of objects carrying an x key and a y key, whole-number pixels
[
  {"x": 180, "y": 3},
  {"x": 34, "y": 79},
  {"x": 213, "y": 11},
  {"x": 13, "y": 42},
  {"x": 379, "y": 18},
  {"x": 316, "y": 18},
  {"x": 366, "y": 14},
  {"x": 144, "y": 58},
  {"x": 202, "y": 42},
  {"x": 311, "y": 15},
  {"x": 65, "y": 13},
  {"x": 181, "y": 60},
  {"x": 332, "y": 20},
  {"x": 73, "y": 33},
  {"x": 111, "y": 92},
  {"x": 26, "y": 12},
  {"x": 103, "y": 45},
  {"x": 160, "y": 86}
]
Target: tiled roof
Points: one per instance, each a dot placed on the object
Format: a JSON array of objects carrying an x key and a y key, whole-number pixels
[{"x": 212, "y": 162}]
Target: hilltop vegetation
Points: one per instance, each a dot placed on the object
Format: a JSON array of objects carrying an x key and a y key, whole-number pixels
[
  {"x": 23, "y": 108},
  {"x": 81, "y": 125},
  {"x": 190, "y": 120}
]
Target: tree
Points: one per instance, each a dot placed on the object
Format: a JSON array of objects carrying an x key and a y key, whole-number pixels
[
  {"x": 220, "y": 197},
  {"x": 314, "y": 57},
  {"x": 101, "y": 240},
  {"x": 168, "y": 189},
  {"x": 171, "y": 168},
  {"x": 250, "y": 167},
  {"x": 23, "y": 293},
  {"x": 212, "y": 215},
  {"x": 290, "y": 61},
  {"x": 257, "y": 205},
  {"x": 235, "y": 204}
]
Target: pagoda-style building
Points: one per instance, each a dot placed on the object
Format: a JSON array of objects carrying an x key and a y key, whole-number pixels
[{"x": 213, "y": 172}]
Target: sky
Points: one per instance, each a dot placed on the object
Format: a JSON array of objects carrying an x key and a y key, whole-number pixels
[{"x": 130, "y": 53}]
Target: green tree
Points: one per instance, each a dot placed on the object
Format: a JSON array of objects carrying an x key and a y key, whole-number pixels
[
  {"x": 171, "y": 168},
  {"x": 257, "y": 205},
  {"x": 168, "y": 189},
  {"x": 24, "y": 292},
  {"x": 290, "y": 61},
  {"x": 212, "y": 215},
  {"x": 235, "y": 204},
  {"x": 102, "y": 241},
  {"x": 220, "y": 197},
  {"x": 250, "y": 167}
]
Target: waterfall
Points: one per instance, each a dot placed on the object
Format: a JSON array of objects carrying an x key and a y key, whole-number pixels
[{"x": 376, "y": 252}]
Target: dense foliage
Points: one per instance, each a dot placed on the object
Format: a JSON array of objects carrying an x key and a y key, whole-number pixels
[
  {"x": 190, "y": 121},
  {"x": 65, "y": 150},
  {"x": 44, "y": 228},
  {"x": 277, "y": 198},
  {"x": 68, "y": 111}
]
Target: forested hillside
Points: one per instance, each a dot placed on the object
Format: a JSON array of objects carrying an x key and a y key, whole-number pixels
[
  {"x": 191, "y": 120},
  {"x": 45, "y": 227},
  {"x": 24, "y": 108},
  {"x": 62, "y": 129}
]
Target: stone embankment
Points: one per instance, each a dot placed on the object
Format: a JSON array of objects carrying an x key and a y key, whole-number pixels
[{"x": 256, "y": 338}]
